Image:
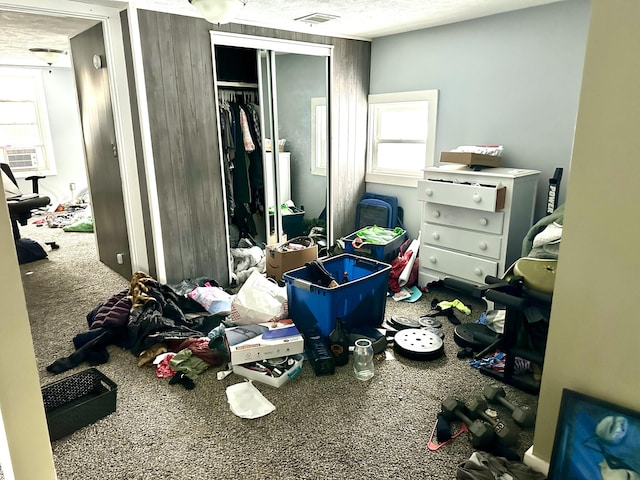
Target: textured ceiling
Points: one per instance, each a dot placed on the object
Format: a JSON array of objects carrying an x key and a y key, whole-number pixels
[
  {"x": 365, "y": 19},
  {"x": 20, "y": 32}
]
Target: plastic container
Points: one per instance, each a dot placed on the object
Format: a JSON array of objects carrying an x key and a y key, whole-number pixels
[
  {"x": 77, "y": 401},
  {"x": 382, "y": 252},
  {"x": 360, "y": 302}
]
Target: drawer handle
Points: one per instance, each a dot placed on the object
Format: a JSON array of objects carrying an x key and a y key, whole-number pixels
[
  {"x": 484, "y": 222},
  {"x": 477, "y": 198},
  {"x": 432, "y": 259},
  {"x": 482, "y": 245},
  {"x": 435, "y": 235},
  {"x": 478, "y": 272},
  {"x": 428, "y": 192},
  {"x": 436, "y": 213}
]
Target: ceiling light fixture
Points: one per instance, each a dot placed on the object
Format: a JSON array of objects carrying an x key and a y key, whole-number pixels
[
  {"x": 48, "y": 55},
  {"x": 218, "y": 11}
]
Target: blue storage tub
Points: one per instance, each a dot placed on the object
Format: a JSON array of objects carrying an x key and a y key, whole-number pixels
[
  {"x": 360, "y": 302},
  {"x": 381, "y": 252}
]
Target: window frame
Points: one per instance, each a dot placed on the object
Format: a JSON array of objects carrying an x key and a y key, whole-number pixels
[
  {"x": 376, "y": 174},
  {"x": 44, "y": 150},
  {"x": 319, "y": 136}
]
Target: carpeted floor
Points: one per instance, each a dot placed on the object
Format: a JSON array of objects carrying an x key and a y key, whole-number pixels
[{"x": 323, "y": 427}]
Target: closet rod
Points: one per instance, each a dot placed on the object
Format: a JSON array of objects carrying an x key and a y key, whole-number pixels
[{"x": 237, "y": 84}]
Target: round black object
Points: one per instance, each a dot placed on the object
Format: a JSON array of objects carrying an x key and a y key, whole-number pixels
[
  {"x": 474, "y": 335},
  {"x": 429, "y": 322},
  {"x": 418, "y": 344},
  {"x": 403, "y": 322}
]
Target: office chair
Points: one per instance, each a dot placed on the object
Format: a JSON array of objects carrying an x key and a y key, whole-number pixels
[{"x": 20, "y": 205}]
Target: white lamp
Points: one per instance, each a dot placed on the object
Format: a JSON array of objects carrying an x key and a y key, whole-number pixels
[
  {"x": 218, "y": 11},
  {"x": 48, "y": 55}
]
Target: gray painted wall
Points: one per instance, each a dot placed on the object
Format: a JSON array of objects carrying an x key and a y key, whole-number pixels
[
  {"x": 66, "y": 136},
  {"x": 511, "y": 79}
]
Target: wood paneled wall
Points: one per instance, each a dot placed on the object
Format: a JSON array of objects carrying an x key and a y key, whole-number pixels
[
  {"x": 349, "y": 105},
  {"x": 179, "y": 84},
  {"x": 182, "y": 114}
]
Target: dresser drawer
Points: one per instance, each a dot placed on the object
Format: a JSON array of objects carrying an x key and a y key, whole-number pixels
[
  {"x": 455, "y": 264},
  {"x": 476, "y": 197},
  {"x": 490, "y": 222},
  {"x": 476, "y": 243}
]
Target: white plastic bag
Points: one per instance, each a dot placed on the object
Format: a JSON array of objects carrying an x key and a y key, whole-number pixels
[
  {"x": 259, "y": 300},
  {"x": 214, "y": 299},
  {"x": 246, "y": 401}
]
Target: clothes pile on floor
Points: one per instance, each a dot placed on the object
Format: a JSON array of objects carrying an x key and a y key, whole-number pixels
[
  {"x": 150, "y": 318},
  {"x": 71, "y": 217}
]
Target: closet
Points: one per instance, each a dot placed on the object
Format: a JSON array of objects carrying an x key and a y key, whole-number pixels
[{"x": 273, "y": 128}]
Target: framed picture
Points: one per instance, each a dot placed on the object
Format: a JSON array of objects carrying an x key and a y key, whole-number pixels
[{"x": 595, "y": 440}]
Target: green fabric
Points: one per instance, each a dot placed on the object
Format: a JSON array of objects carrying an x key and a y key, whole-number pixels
[
  {"x": 379, "y": 235},
  {"x": 457, "y": 304},
  {"x": 84, "y": 225},
  {"x": 184, "y": 361}
]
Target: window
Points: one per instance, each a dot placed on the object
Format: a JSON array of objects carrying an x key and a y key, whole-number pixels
[
  {"x": 401, "y": 139},
  {"x": 25, "y": 138},
  {"x": 319, "y": 136}
]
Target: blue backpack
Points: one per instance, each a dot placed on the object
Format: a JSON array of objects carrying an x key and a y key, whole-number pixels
[{"x": 380, "y": 210}]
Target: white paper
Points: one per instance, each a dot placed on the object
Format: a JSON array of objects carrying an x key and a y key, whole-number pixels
[
  {"x": 246, "y": 401},
  {"x": 406, "y": 273}
]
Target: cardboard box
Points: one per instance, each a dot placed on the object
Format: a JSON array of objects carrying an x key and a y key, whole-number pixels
[
  {"x": 268, "y": 378},
  {"x": 259, "y": 348},
  {"x": 280, "y": 262},
  {"x": 470, "y": 159}
]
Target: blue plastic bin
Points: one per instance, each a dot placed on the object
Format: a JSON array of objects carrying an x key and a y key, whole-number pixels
[
  {"x": 383, "y": 253},
  {"x": 360, "y": 302}
]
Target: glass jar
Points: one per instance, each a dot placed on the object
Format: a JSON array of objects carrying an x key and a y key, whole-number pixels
[{"x": 363, "y": 359}]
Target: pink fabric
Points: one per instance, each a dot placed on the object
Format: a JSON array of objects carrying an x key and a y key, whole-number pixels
[
  {"x": 163, "y": 370},
  {"x": 246, "y": 134}
]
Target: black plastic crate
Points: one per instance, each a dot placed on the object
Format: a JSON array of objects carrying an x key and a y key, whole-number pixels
[{"x": 77, "y": 401}]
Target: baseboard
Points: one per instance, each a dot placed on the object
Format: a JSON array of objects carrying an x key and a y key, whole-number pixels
[{"x": 535, "y": 463}]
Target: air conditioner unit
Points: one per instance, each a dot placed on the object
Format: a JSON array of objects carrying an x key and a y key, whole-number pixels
[{"x": 21, "y": 158}]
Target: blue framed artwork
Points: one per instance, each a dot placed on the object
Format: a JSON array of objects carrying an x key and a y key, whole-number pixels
[{"x": 595, "y": 440}]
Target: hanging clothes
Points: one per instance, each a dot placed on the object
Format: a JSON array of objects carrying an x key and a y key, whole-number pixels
[
  {"x": 228, "y": 153},
  {"x": 242, "y": 153}
]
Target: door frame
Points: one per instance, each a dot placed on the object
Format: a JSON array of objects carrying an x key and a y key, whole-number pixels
[{"x": 120, "y": 94}]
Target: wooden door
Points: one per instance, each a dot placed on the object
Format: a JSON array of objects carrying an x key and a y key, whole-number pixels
[{"x": 101, "y": 150}]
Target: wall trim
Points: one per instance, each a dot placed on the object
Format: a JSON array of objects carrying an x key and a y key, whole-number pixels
[{"x": 535, "y": 463}]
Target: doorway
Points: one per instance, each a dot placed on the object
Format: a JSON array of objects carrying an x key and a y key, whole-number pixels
[
  {"x": 17, "y": 400},
  {"x": 53, "y": 20}
]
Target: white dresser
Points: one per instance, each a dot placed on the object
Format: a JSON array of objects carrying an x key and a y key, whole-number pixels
[{"x": 473, "y": 222}]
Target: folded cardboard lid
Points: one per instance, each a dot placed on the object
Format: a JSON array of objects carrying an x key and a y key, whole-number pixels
[{"x": 470, "y": 158}]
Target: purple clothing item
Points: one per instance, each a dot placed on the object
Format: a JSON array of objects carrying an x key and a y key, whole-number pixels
[{"x": 113, "y": 313}]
